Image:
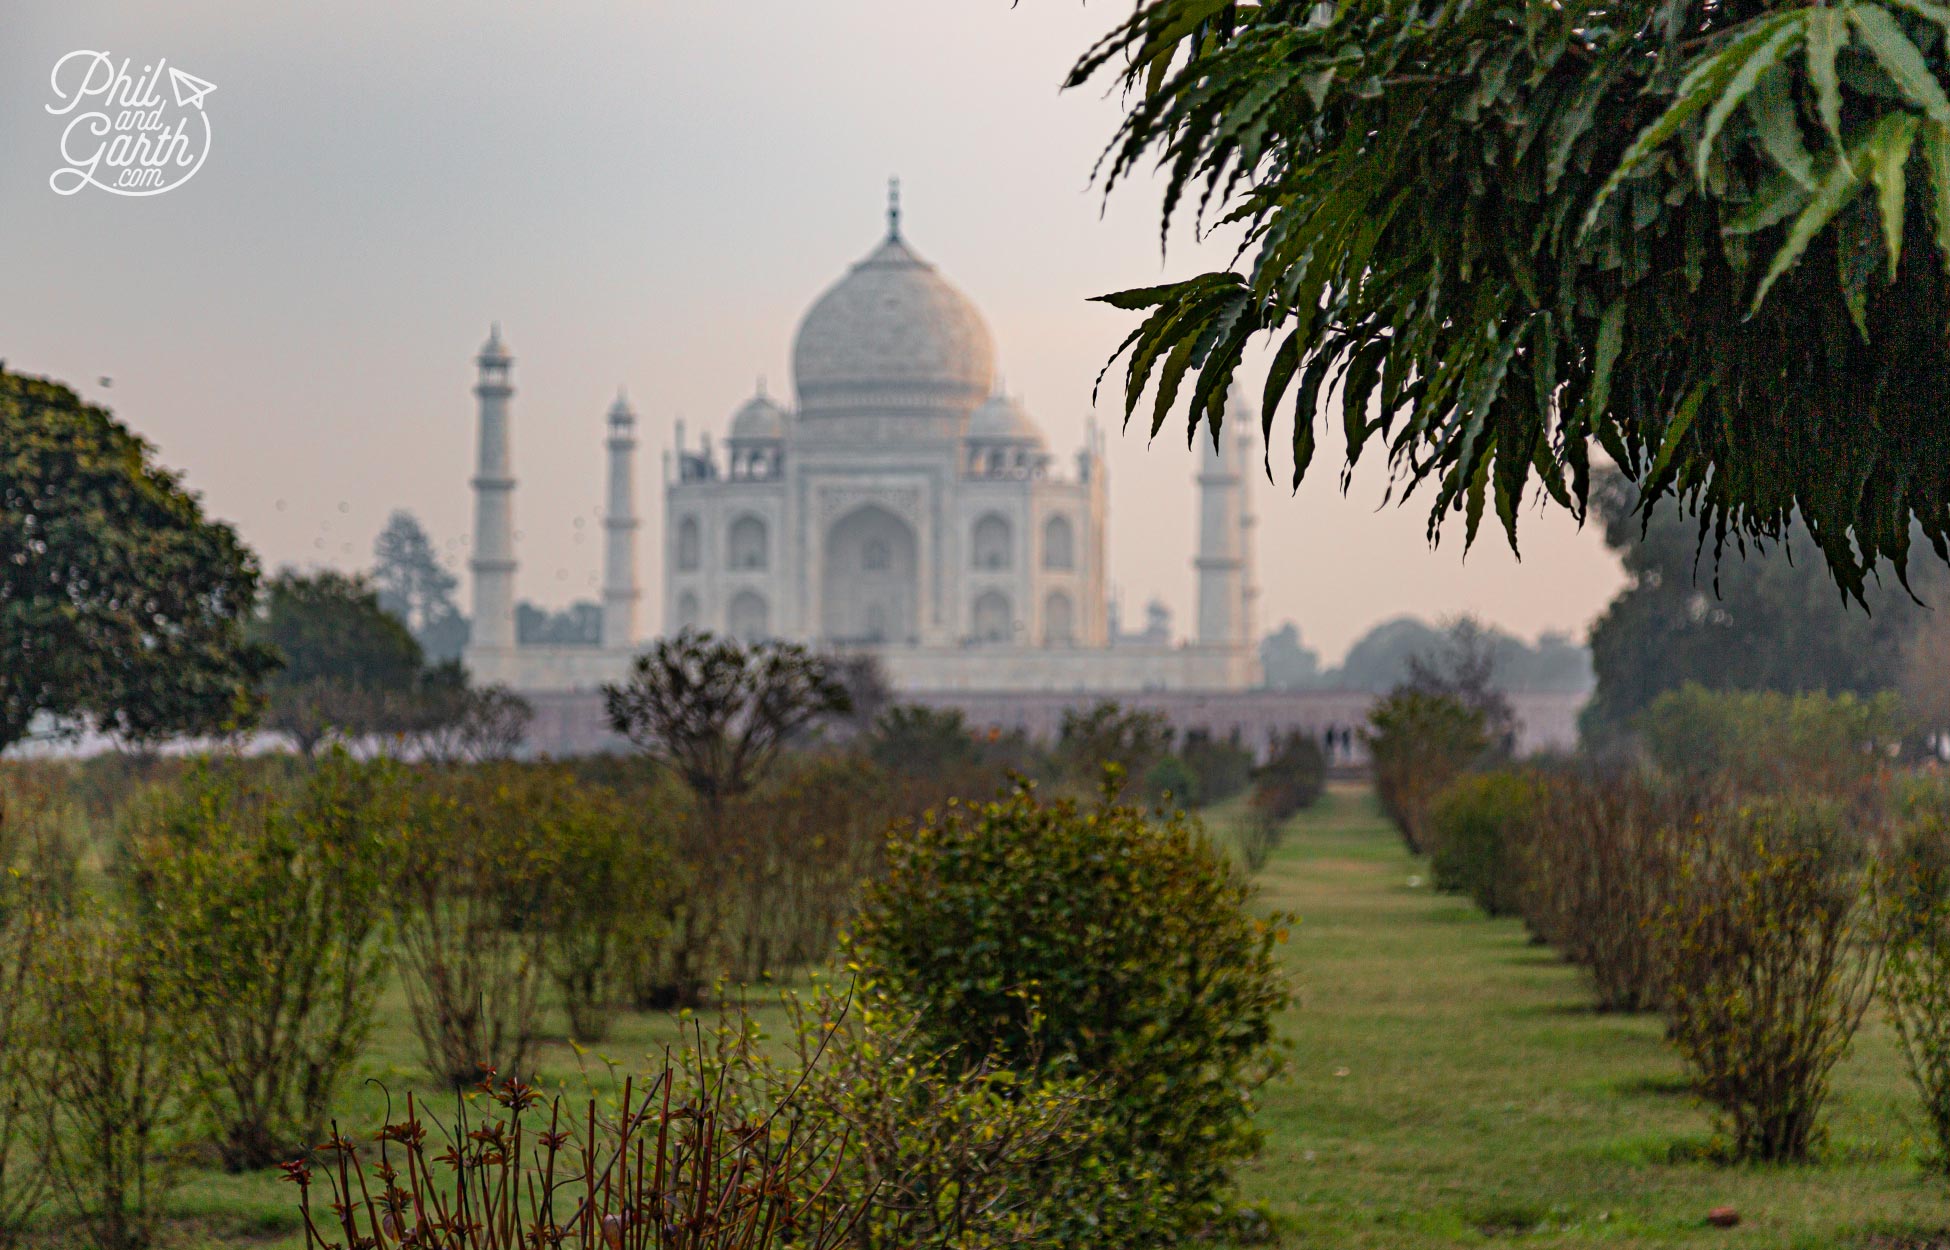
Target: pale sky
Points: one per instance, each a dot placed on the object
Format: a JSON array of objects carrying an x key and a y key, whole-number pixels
[{"x": 647, "y": 194}]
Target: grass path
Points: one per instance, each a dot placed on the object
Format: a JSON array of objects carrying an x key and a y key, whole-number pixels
[{"x": 1449, "y": 1085}]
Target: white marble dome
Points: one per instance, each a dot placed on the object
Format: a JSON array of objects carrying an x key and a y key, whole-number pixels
[
  {"x": 892, "y": 333},
  {"x": 1003, "y": 419},
  {"x": 758, "y": 419}
]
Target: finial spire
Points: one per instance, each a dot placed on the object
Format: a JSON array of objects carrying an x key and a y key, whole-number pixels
[{"x": 893, "y": 208}]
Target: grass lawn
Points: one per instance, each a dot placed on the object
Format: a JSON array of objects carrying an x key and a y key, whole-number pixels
[{"x": 1449, "y": 1085}]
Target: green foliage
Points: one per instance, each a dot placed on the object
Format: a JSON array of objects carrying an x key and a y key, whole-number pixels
[
  {"x": 36, "y": 887},
  {"x": 1090, "y": 741},
  {"x": 262, "y": 908},
  {"x": 609, "y": 889},
  {"x": 1477, "y": 825},
  {"x": 117, "y": 1085},
  {"x": 120, "y": 603},
  {"x": 1764, "y": 618},
  {"x": 941, "y": 1153},
  {"x": 1291, "y": 779},
  {"x": 1761, "y": 949},
  {"x": 1763, "y": 742},
  {"x": 1221, "y": 767},
  {"x": 1171, "y": 778},
  {"x": 1419, "y": 742},
  {"x": 1096, "y": 943},
  {"x": 1709, "y": 240},
  {"x": 349, "y": 665}
]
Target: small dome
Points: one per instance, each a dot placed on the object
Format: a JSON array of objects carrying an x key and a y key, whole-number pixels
[
  {"x": 494, "y": 351},
  {"x": 619, "y": 412},
  {"x": 758, "y": 419},
  {"x": 892, "y": 331},
  {"x": 1003, "y": 420}
]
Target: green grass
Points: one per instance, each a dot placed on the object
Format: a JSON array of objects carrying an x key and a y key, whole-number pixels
[{"x": 1448, "y": 1085}]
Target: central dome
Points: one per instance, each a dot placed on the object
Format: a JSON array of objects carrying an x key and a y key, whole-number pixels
[{"x": 892, "y": 333}]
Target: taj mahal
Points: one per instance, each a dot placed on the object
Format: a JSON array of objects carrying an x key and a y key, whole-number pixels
[{"x": 899, "y": 502}]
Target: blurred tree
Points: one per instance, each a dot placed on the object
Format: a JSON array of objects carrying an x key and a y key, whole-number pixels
[
  {"x": 578, "y": 625},
  {"x": 350, "y": 666},
  {"x": 121, "y": 604},
  {"x": 1766, "y": 619},
  {"x": 1284, "y": 663},
  {"x": 717, "y": 711},
  {"x": 413, "y": 585}
]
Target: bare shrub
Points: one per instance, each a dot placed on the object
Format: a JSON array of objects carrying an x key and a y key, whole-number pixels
[
  {"x": 263, "y": 905},
  {"x": 468, "y": 881},
  {"x": 674, "y": 1167},
  {"x": 1597, "y": 861},
  {"x": 1767, "y": 968},
  {"x": 118, "y": 1100}
]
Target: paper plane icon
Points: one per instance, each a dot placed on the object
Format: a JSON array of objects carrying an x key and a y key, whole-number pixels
[{"x": 190, "y": 89}]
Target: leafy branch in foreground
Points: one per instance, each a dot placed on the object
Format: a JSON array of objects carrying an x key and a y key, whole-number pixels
[{"x": 1507, "y": 232}]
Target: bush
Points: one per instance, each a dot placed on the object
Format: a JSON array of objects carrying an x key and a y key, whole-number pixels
[
  {"x": 1172, "y": 779},
  {"x": 469, "y": 881},
  {"x": 1597, "y": 861},
  {"x": 117, "y": 1090},
  {"x": 1092, "y": 942},
  {"x": 1223, "y": 768},
  {"x": 263, "y": 909},
  {"x": 1477, "y": 825},
  {"x": 1091, "y": 741},
  {"x": 797, "y": 854},
  {"x": 1293, "y": 777},
  {"x": 1913, "y": 908},
  {"x": 675, "y": 1166},
  {"x": 607, "y": 892},
  {"x": 1765, "y": 977},
  {"x": 936, "y": 1150},
  {"x": 1419, "y": 742},
  {"x": 37, "y": 868}
]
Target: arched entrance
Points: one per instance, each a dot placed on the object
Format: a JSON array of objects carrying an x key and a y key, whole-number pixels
[{"x": 870, "y": 579}]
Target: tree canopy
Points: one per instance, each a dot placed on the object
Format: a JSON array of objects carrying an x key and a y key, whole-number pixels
[
  {"x": 121, "y": 603},
  {"x": 416, "y": 587},
  {"x": 348, "y": 664},
  {"x": 1708, "y": 239}
]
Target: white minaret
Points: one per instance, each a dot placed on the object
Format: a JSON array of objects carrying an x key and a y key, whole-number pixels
[
  {"x": 619, "y": 531},
  {"x": 1225, "y": 560},
  {"x": 493, "y": 563}
]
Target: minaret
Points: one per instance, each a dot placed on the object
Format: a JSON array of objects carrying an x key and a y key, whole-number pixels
[
  {"x": 619, "y": 531},
  {"x": 1224, "y": 563},
  {"x": 493, "y": 563}
]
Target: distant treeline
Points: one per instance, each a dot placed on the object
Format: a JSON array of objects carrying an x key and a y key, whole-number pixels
[{"x": 1380, "y": 660}]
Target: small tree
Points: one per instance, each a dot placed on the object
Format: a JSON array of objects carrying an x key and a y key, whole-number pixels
[
  {"x": 1913, "y": 911},
  {"x": 717, "y": 712},
  {"x": 1092, "y": 942}
]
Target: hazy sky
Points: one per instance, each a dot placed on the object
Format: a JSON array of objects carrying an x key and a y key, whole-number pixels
[{"x": 642, "y": 193}]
